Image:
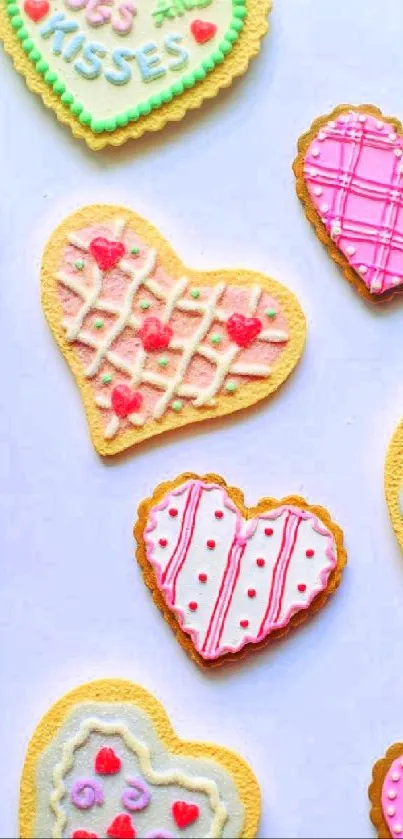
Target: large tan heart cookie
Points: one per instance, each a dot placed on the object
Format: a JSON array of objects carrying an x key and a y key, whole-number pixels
[
  {"x": 113, "y": 69},
  {"x": 105, "y": 762},
  {"x": 152, "y": 344},
  {"x": 226, "y": 576}
]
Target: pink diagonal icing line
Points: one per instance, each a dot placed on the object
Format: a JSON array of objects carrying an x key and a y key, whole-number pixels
[
  {"x": 354, "y": 174},
  {"x": 392, "y": 797}
]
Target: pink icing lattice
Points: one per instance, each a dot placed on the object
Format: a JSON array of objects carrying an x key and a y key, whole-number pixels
[
  {"x": 354, "y": 173},
  {"x": 103, "y": 314}
]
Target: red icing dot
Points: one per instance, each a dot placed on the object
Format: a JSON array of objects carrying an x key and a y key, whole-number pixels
[
  {"x": 218, "y": 514},
  {"x": 163, "y": 543},
  {"x": 301, "y": 587},
  {"x": 193, "y": 605},
  {"x": 310, "y": 553},
  {"x": 173, "y": 512},
  {"x": 251, "y": 592},
  {"x": 260, "y": 562},
  {"x": 244, "y": 624},
  {"x": 268, "y": 531},
  {"x": 210, "y": 544},
  {"x": 203, "y": 578}
]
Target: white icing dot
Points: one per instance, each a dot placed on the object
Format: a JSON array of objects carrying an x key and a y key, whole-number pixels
[
  {"x": 379, "y": 124},
  {"x": 351, "y": 250},
  {"x": 401, "y": 762},
  {"x": 401, "y": 173},
  {"x": 321, "y": 135},
  {"x": 362, "y": 118},
  {"x": 363, "y": 269},
  {"x": 398, "y": 152},
  {"x": 324, "y": 208},
  {"x": 345, "y": 118},
  {"x": 313, "y": 172},
  {"x": 396, "y": 281},
  {"x": 395, "y": 776},
  {"x": 392, "y": 137},
  {"x": 332, "y": 124},
  {"x": 392, "y": 794},
  {"x": 318, "y": 190},
  {"x": 315, "y": 152},
  {"x": 397, "y": 828},
  {"x": 391, "y": 811}
]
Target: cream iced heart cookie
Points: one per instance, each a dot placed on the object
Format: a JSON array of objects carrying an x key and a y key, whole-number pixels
[
  {"x": 226, "y": 576},
  {"x": 105, "y": 762},
  {"x": 155, "y": 345},
  {"x": 349, "y": 172},
  {"x": 394, "y": 482},
  {"x": 386, "y": 794},
  {"x": 113, "y": 69}
]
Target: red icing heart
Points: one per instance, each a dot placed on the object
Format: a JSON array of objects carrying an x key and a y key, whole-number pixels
[
  {"x": 243, "y": 330},
  {"x": 125, "y": 401},
  {"x": 155, "y": 335},
  {"x": 106, "y": 253},
  {"x": 107, "y": 762},
  {"x": 184, "y": 814},
  {"x": 121, "y": 828},
  {"x": 83, "y": 834},
  {"x": 202, "y": 31},
  {"x": 36, "y": 9}
]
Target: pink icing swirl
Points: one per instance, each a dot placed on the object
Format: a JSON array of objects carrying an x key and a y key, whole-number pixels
[
  {"x": 136, "y": 796},
  {"x": 86, "y": 792}
]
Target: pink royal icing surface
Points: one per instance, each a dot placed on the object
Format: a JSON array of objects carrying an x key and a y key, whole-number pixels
[
  {"x": 392, "y": 797},
  {"x": 354, "y": 173},
  {"x": 229, "y": 581}
]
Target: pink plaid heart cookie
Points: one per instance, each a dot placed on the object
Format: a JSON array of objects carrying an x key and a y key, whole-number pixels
[
  {"x": 155, "y": 345},
  {"x": 349, "y": 174},
  {"x": 386, "y": 793},
  {"x": 226, "y": 576}
]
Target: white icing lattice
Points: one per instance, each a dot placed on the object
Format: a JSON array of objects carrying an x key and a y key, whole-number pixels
[{"x": 173, "y": 298}]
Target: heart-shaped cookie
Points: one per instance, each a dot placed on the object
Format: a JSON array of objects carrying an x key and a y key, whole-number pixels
[
  {"x": 226, "y": 576},
  {"x": 113, "y": 69},
  {"x": 166, "y": 785},
  {"x": 150, "y": 341},
  {"x": 349, "y": 172},
  {"x": 386, "y": 794},
  {"x": 393, "y": 478}
]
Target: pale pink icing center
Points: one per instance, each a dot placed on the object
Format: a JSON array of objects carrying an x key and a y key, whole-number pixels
[
  {"x": 353, "y": 170},
  {"x": 114, "y": 285},
  {"x": 392, "y": 797}
]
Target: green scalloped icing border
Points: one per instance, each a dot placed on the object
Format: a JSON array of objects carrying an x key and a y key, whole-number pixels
[{"x": 150, "y": 104}]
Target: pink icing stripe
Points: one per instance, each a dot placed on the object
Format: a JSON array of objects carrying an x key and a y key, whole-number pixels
[
  {"x": 189, "y": 531},
  {"x": 230, "y": 569},
  {"x": 227, "y": 598},
  {"x": 272, "y": 594},
  {"x": 283, "y": 568},
  {"x": 355, "y": 164},
  {"x": 392, "y": 797},
  {"x": 173, "y": 561}
]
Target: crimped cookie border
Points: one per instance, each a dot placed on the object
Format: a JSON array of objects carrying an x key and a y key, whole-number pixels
[
  {"x": 248, "y": 395},
  {"x": 379, "y": 772},
  {"x": 264, "y": 505},
  {"x": 393, "y": 479},
  {"x": 235, "y": 64},
  {"x": 121, "y": 690},
  {"x": 311, "y": 212}
]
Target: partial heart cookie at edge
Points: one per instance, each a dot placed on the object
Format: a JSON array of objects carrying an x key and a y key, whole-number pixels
[
  {"x": 227, "y": 577},
  {"x": 386, "y": 794},
  {"x": 393, "y": 480},
  {"x": 152, "y": 344},
  {"x": 115, "y": 69},
  {"x": 349, "y": 177}
]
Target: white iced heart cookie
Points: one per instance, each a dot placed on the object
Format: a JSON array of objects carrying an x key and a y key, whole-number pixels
[
  {"x": 226, "y": 576},
  {"x": 112, "y": 69},
  {"x": 105, "y": 762}
]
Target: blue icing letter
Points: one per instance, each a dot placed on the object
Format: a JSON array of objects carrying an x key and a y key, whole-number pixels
[
  {"x": 119, "y": 58},
  {"x": 149, "y": 63},
  {"x": 73, "y": 48},
  {"x": 93, "y": 68},
  {"x": 172, "y": 45},
  {"x": 58, "y": 26}
]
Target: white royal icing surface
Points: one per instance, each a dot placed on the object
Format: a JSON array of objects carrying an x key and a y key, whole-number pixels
[{"x": 237, "y": 588}]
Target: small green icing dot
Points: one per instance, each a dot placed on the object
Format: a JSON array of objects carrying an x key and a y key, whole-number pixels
[
  {"x": 271, "y": 313},
  {"x": 216, "y": 338},
  {"x": 145, "y": 304},
  {"x": 230, "y": 387},
  {"x": 79, "y": 264},
  {"x": 163, "y": 361},
  {"x": 194, "y": 292},
  {"x": 177, "y": 405},
  {"x": 134, "y": 251},
  {"x": 106, "y": 378},
  {"x": 99, "y": 323}
]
